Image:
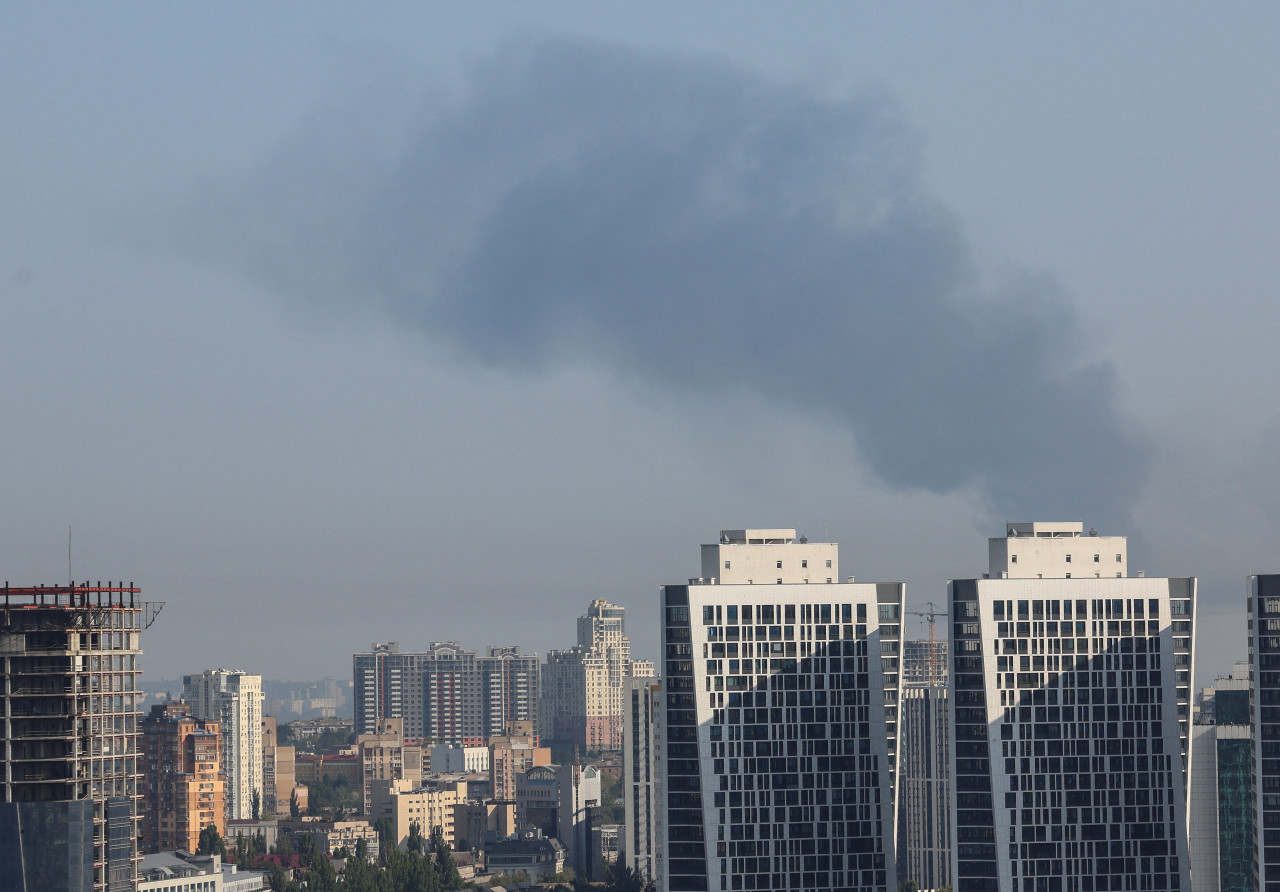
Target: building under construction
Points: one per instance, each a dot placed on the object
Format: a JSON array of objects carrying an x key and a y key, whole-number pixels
[
  {"x": 924, "y": 780},
  {"x": 69, "y": 705}
]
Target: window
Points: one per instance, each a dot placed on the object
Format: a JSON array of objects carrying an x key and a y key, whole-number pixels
[
  {"x": 726, "y": 565},
  {"x": 804, "y": 564},
  {"x": 1068, "y": 559},
  {"x": 828, "y": 565},
  {"x": 779, "y": 565},
  {"x": 1117, "y": 559},
  {"x": 1068, "y": 575},
  {"x": 1013, "y": 559},
  {"x": 779, "y": 582},
  {"x": 1095, "y": 558},
  {"x": 828, "y": 579}
]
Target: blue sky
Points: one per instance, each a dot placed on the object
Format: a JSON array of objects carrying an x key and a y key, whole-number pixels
[{"x": 274, "y": 353}]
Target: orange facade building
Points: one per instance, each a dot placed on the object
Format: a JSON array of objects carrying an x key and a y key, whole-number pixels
[{"x": 184, "y": 787}]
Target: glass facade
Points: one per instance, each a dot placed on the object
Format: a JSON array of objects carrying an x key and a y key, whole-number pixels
[
  {"x": 781, "y": 718},
  {"x": 1070, "y": 734}
]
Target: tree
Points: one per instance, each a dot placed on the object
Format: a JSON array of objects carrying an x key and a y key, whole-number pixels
[
  {"x": 620, "y": 878},
  {"x": 386, "y": 838},
  {"x": 257, "y": 804},
  {"x": 211, "y": 843},
  {"x": 415, "y": 842},
  {"x": 445, "y": 867},
  {"x": 362, "y": 849},
  {"x": 294, "y": 808}
]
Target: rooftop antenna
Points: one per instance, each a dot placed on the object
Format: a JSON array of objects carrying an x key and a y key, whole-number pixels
[{"x": 70, "y": 581}]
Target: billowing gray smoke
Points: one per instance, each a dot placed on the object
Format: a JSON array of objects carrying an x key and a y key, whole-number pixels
[{"x": 692, "y": 225}]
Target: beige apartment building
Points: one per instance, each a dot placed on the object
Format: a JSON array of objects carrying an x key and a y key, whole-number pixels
[
  {"x": 430, "y": 804},
  {"x": 582, "y": 687}
]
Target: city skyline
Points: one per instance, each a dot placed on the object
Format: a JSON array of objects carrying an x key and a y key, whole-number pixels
[{"x": 310, "y": 331}]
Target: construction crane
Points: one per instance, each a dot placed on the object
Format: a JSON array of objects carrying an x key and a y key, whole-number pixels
[{"x": 931, "y": 615}]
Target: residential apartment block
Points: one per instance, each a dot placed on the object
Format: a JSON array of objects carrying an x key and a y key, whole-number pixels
[
  {"x": 582, "y": 687},
  {"x": 233, "y": 699},
  {"x": 780, "y": 721},
  {"x": 184, "y": 788},
  {"x": 445, "y": 694},
  {"x": 1071, "y": 712}
]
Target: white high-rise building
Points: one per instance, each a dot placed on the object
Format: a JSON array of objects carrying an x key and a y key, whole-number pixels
[
  {"x": 779, "y": 721},
  {"x": 1070, "y": 714},
  {"x": 233, "y": 698}
]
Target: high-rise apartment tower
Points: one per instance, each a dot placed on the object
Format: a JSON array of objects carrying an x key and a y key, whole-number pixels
[
  {"x": 779, "y": 722},
  {"x": 582, "y": 687},
  {"x": 1071, "y": 703},
  {"x": 233, "y": 699}
]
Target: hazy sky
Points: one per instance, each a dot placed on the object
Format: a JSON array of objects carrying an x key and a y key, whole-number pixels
[{"x": 329, "y": 326}]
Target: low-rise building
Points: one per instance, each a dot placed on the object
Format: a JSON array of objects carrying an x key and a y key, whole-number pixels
[
  {"x": 429, "y": 804},
  {"x": 333, "y": 836},
  {"x": 530, "y": 852},
  {"x": 447, "y": 758},
  {"x": 184, "y": 872},
  {"x": 478, "y": 823}
]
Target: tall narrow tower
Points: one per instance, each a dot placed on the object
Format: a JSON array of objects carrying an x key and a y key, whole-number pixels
[{"x": 233, "y": 699}]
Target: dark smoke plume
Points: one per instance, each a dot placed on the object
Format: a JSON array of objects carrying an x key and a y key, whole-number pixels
[{"x": 700, "y": 228}]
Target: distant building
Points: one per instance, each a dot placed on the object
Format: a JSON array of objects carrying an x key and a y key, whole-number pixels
[
  {"x": 385, "y": 756},
  {"x": 184, "y": 788},
  {"x": 924, "y": 768},
  {"x": 430, "y": 804},
  {"x": 577, "y": 821},
  {"x": 511, "y": 755},
  {"x": 477, "y": 824},
  {"x": 582, "y": 686},
  {"x": 1264, "y": 655},
  {"x": 531, "y": 853},
  {"x": 642, "y": 775},
  {"x": 1222, "y": 792},
  {"x": 184, "y": 872},
  {"x": 278, "y": 777},
  {"x": 233, "y": 699},
  {"x": 445, "y": 694},
  {"x": 447, "y": 758}
]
